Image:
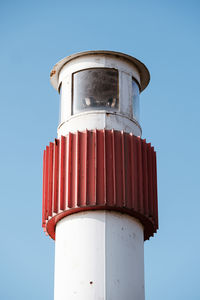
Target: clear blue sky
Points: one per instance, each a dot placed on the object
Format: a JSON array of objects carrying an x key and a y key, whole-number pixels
[{"x": 164, "y": 35}]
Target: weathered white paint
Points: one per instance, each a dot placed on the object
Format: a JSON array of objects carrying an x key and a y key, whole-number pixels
[
  {"x": 99, "y": 255},
  {"x": 99, "y": 120},
  {"x": 98, "y": 61}
]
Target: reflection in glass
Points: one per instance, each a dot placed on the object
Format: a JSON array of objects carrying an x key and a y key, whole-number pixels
[
  {"x": 95, "y": 89},
  {"x": 135, "y": 99}
]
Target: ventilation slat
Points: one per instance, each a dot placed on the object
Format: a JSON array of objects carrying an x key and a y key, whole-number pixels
[
  {"x": 145, "y": 177},
  {"x": 55, "y": 176},
  {"x": 62, "y": 173},
  {"x": 44, "y": 190},
  {"x": 46, "y": 183},
  {"x": 50, "y": 186},
  {"x": 100, "y": 168},
  {"x": 140, "y": 177}
]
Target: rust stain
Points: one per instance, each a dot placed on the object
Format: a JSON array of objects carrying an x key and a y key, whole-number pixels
[
  {"x": 53, "y": 72},
  {"x": 108, "y": 114}
]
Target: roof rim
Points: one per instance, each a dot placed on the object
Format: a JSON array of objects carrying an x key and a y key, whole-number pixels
[{"x": 144, "y": 72}]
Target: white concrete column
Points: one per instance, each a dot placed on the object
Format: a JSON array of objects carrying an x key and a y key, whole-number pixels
[{"x": 99, "y": 255}]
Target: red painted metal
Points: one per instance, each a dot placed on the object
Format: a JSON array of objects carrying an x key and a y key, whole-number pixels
[
  {"x": 100, "y": 169},
  {"x": 55, "y": 175},
  {"x": 44, "y": 192},
  {"x": 50, "y": 185}
]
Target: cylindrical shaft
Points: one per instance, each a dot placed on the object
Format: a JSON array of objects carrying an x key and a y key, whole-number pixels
[{"x": 99, "y": 255}]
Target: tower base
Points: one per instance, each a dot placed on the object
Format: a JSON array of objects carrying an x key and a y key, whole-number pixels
[{"x": 99, "y": 255}]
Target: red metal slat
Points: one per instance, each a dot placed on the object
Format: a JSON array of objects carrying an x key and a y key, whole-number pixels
[
  {"x": 153, "y": 188},
  {"x": 113, "y": 166},
  {"x": 105, "y": 175},
  {"x": 127, "y": 170},
  {"x": 140, "y": 176},
  {"x": 72, "y": 200},
  {"x": 134, "y": 177},
  {"x": 71, "y": 169},
  {"x": 145, "y": 176},
  {"x": 77, "y": 159},
  {"x": 123, "y": 171},
  {"x": 62, "y": 173},
  {"x": 68, "y": 169},
  {"x": 109, "y": 168},
  {"x": 44, "y": 190},
  {"x": 95, "y": 166},
  {"x": 50, "y": 186},
  {"x": 81, "y": 199},
  {"x": 47, "y": 182},
  {"x": 156, "y": 191},
  {"x": 55, "y": 176},
  {"x": 100, "y": 168},
  {"x": 91, "y": 171},
  {"x": 118, "y": 168},
  {"x": 150, "y": 180},
  {"x": 86, "y": 164}
]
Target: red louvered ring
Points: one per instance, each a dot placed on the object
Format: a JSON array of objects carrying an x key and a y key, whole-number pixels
[{"x": 100, "y": 170}]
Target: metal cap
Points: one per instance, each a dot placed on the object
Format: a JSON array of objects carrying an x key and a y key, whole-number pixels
[{"x": 144, "y": 73}]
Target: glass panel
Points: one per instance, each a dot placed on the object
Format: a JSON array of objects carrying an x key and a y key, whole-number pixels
[
  {"x": 95, "y": 89},
  {"x": 135, "y": 99}
]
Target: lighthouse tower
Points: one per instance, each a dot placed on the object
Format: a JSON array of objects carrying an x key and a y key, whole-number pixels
[{"x": 99, "y": 179}]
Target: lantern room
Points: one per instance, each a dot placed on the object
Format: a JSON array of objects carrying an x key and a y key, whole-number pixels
[{"x": 99, "y": 89}]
